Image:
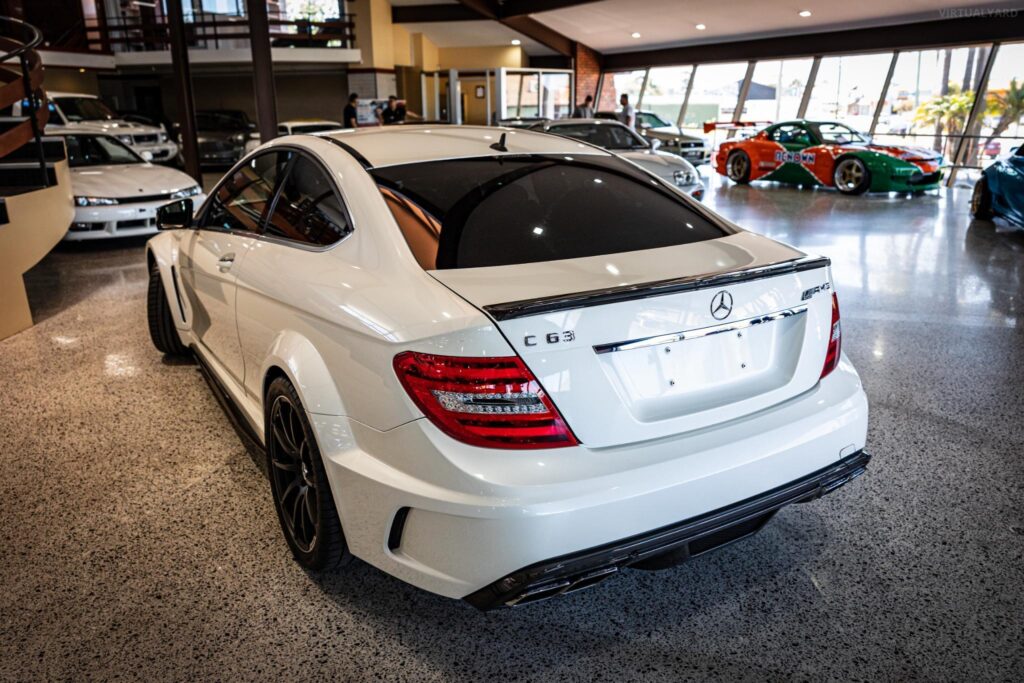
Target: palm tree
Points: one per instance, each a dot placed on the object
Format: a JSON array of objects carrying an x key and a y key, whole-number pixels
[
  {"x": 1008, "y": 105},
  {"x": 947, "y": 112}
]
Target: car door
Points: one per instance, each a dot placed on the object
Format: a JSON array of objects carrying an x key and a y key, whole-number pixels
[
  {"x": 790, "y": 161},
  {"x": 1009, "y": 195},
  {"x": 288, "y": 275},
  {"x": 212, "y": 253}
]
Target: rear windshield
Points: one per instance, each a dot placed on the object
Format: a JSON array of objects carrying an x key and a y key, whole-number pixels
[{"x": 504, "y": 210}]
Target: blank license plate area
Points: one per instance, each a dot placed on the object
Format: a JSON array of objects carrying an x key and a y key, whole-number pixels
[{"x": 694, "y": 375}]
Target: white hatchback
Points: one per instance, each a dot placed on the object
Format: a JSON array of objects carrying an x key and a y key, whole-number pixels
[{"x": 502, "y": 365}]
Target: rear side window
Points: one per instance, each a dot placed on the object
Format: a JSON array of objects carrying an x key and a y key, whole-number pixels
[
  {"x": 239, "y": 203},
  {"x": 504, "y": 210},
  {"x": 308, "y": 210}
]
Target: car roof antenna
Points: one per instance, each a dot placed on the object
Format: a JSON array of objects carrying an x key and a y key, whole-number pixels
[{"x": 499, "y": 146}]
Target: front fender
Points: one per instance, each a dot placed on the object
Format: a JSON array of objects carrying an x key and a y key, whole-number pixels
[
  {"x": 296, "y": 356},
  {"x": 163, "y": 250}
]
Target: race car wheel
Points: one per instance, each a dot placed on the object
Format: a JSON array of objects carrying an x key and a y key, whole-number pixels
[
  {"x": 737, "y": 167},
  {"x": 852, "y": 176},
  {"x": 298, "y": 483},
  {"x": 981, "y": 200},
  {"x": 161, "y": 321}
]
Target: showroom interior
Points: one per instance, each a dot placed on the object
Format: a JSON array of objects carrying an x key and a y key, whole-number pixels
[{"x": 141, "y": 523}]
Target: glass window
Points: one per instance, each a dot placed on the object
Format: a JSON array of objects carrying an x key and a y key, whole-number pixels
[
  {"x": 554, "y": 95},
  {"x": 308, "y": 209},
  {"x": 98, "y": 150},
  {"x": 847, "y": 89},
  {"x": 240, "y": 201},
  {"x": 84, "y": 109},
  {"x": 776, "y": 90},
  {"x": 1001, "y": 127},
  {"x": 838, "y": 134},
  {"x": 666, "y": 90},
  {"x": 495, "y": 211},
  {"x": 522, "y": 95},
  {"x": 716, "y": 88},
  {"x": 791, "y": 134},
  {"x": 930, "y": 97},
  {"x": 602, "y": 135},
  {"x": 618, "y": 84}
]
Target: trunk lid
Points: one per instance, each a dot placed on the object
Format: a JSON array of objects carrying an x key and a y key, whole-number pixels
[{"x": 646, "y": 344}]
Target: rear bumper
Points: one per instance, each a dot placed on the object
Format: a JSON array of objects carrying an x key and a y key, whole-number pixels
[
  {"x": 688, "y": 538},
  {"x": 454, "y": 519}
]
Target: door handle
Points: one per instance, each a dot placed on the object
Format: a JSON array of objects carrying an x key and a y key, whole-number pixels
[{"x": 225, "y": 262}]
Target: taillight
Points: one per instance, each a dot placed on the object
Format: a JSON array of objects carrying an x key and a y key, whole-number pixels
[
  {"x": 490, "y": 402},
  {"x": 835, "y": 341}
]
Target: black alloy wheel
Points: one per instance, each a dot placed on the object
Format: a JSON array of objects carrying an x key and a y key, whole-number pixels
[
  {"x": 302, "y": 494},
  {"x": 981, "y": 200}
]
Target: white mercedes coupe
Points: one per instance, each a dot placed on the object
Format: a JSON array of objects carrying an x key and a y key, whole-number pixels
[{"x": 502, "y": 365}]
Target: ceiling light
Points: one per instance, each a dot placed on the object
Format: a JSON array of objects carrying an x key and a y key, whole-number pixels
[
  {"x": 516, "y": 41},
  {"x": 804, "y": 13},
  {"x": 700, "y": 27},
  {"x": 635, "y": 34}
]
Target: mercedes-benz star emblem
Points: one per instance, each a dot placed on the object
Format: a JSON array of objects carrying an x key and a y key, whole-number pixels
[{"x": 721, "y": 305}]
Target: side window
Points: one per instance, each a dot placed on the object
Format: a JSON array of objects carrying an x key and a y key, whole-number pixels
[
  {"x": 243, "y": 198},
  {"x": 791, "y": 134},
  {"x": 308, "y": 210}
]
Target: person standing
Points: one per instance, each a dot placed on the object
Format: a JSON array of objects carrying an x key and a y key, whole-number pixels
[
  {"x": 627, "y": 114},
  {"x": 585, "y": 110},
  {"x": 351, "y": 116},
  {"x": 392, "y": 112}
]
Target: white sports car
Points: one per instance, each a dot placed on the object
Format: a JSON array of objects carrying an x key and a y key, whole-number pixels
[
  {"x": 116, "y": 192},
  {"x": 82, "y": 113},
  {"x": 502, "y": 365},
  {"x": 624, "y": 141}
]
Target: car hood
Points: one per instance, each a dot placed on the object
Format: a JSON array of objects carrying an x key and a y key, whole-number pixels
[
  {"x": 659, "y": 161},
  {"x": 127, "y": 180},
  {"x": 113, "y": 127},
  {"x": 229, "y": 135},
  {"x": 905, "y": 153},
  {"x": 672, "y": 132}
]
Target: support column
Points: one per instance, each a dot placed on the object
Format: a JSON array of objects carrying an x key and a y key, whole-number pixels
[
  {"x": 809, "y": 88},
  {"x": 967, "y": 134},
  {"x": 885, "y": 93},
  {"x": 183, "y": 87},
  {"x": 262, "y": 69}
]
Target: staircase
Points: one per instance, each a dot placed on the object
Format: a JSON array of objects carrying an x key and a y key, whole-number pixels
[{"x": 36, "y": 205}]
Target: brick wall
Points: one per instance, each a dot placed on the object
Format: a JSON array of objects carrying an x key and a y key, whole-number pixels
[{"x": 588, "y": 72}]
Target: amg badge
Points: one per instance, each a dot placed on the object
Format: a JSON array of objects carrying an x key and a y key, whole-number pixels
[{"x": 808, "y": 293}]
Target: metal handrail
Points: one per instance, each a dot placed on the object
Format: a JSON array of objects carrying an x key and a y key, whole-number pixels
[
  {"x": 30, "y": 39},
  {"x": 32, "y": 43}
]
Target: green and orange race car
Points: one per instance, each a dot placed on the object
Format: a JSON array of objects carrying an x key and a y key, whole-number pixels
[{"x": 829, "y": 154}]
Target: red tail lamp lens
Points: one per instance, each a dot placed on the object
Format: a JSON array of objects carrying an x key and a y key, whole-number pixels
[
  {"x": 489, "y": 402},
  {"x": 835, "y": 341}
]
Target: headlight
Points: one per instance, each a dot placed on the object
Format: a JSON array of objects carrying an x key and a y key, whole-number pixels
[
  {"x": 162, "y": 137},
  {"x": 187, "y": 192},
  {"x": 683, "y": 178},
  {"x": 126, "y": 139},
  {"x": 238, "y": 137},
  {"x": 94, "y": 201}
]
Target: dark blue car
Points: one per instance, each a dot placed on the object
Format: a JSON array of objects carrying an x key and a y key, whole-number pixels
[{"x": 1000, "y": 191}]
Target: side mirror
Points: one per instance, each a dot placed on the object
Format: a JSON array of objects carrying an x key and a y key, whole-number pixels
[
  {"x": 655, "y": 144},
  {"x": 146, "y": 155},
  {"x": 175, "y": 216}
]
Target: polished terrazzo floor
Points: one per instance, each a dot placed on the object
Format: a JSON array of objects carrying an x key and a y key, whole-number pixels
[{"x": 140, "y": 542}]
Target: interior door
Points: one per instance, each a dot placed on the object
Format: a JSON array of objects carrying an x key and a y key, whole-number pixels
[{"x": 213, "y": 253}]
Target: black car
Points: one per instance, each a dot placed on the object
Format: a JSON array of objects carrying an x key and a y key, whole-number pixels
[{"x": 222, "y": 134}]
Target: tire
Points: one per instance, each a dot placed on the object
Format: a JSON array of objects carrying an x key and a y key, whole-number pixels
[
  {"x": 161, "y": 321},
  {"x": 737, "y": 167},
  {"x": 851, "y": 176},
  {"x": 298, "y": 483},
  {"x": 981, "y": 200}
]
